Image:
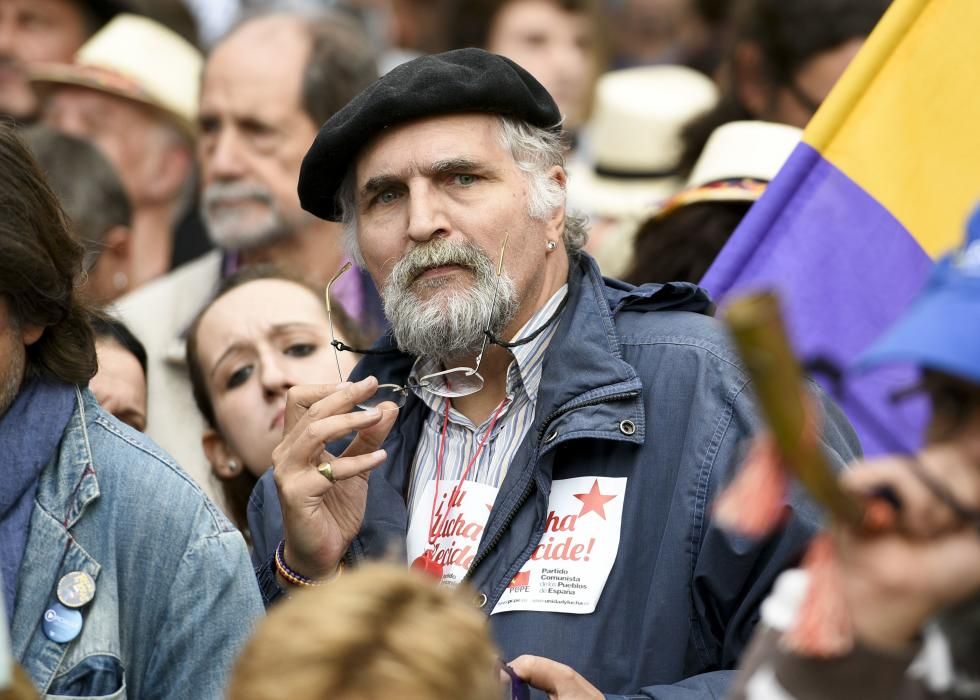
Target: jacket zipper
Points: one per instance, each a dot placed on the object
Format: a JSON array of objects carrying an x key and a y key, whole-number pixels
[{"x": 527, "y": 489}]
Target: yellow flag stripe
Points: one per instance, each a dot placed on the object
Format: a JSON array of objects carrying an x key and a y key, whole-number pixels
[{"x": 904, "y": 120}]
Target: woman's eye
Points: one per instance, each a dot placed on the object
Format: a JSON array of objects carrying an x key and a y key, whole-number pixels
[
  {"x": 239, "y": 377},
  {"x": 301, "y": 349}
]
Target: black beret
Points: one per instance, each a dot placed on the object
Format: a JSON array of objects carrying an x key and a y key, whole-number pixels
[{"x": 465, "y": 80}]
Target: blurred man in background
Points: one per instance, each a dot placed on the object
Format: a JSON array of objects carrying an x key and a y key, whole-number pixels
[
  {"x": 33, "y": 31},
  {"x": 267, "y": 87},
  {"x": 132, "y": 91},
  {"x": 95, "y": 201}
]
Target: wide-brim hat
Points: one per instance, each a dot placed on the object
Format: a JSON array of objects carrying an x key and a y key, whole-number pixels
[
  {"x": 738, "y": 161},
  {"x": 637, "y": 119},
  {"x": 139, "y": 59},
  {"x": 941, "y": 329}
]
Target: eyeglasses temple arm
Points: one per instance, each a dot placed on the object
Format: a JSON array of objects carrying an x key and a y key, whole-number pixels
[{"x": 333, "y": 337}]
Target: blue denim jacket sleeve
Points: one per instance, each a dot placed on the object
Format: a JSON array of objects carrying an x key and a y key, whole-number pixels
[{"x": 212, "y": 608}]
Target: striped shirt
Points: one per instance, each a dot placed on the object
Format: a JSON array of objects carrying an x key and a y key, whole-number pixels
[{"x": 463, "y": 437}]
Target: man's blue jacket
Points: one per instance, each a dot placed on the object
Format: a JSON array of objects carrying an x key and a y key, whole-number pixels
[{"x": 683, "y": 595}]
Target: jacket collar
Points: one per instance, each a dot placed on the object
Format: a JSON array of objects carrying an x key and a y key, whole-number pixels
[
  {"x": 66, "y": 487},
  {"x": 584, "y": 363},
  {"x": 75, "y": 483}
]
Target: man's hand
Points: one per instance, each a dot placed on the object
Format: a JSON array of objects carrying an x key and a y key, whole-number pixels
[
  {"x": 894, "y": 582},
  {"x": 558, "y": 680},
  {"x": 321, "y": 518}
]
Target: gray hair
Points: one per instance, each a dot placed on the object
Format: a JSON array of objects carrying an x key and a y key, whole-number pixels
[
  {"x": 85, "y": 181},
  {"x": 341, "y": 62},
  {"x": 535, "y": 150}
]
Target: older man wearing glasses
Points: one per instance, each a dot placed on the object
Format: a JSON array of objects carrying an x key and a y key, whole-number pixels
[{"x": 551, "y": 438}]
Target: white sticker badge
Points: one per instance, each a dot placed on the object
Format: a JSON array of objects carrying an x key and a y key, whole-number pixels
[
  {"x": 569, "y": 568},
  {"x": 456, "y": 528}
]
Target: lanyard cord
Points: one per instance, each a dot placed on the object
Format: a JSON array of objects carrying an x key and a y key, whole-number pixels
[{"x": 442, "y": 452}]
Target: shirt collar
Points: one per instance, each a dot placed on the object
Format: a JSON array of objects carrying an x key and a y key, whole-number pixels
[{"x": 524, "y": 373}]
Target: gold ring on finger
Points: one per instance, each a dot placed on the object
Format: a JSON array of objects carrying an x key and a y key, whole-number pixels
[{"x": 326, "y": 471}]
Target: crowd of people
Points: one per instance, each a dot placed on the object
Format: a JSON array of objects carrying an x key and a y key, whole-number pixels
[{"x": 317, "y": 380}]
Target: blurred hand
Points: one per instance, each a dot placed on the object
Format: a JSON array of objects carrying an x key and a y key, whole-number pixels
[
  {"x": 559, "y": 681},
  {"x": 321, "y": 518},
  {"x": 894, "y": 582}
]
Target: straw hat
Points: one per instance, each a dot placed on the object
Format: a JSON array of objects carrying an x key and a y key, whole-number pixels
[
  {"x": 636, "y": 124},
  {"x": 738, "y": 161},
  {"x": 139, "y": 59}
]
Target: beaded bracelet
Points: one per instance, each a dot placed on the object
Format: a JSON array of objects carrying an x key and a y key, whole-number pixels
[{"x": 294, "y": 577}]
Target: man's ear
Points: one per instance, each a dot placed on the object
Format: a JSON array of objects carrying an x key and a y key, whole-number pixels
[
  {"x": 174, "y": 168},
  {"x": 225, "y": 464},
  {"x": 30, "y": 334},
  {"x": 117, "y": 243},
  {"x": 556, "y": 223}
]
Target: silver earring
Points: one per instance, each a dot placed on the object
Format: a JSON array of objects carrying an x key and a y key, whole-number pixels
[
  {"x": 551, "y": 245},
  {"x": 232, "y": 465},
  {"x": 120, "y": 281}
]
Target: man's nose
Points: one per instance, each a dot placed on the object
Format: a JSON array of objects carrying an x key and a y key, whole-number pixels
[
  {"x": 223, "y": 160},
  {"x": 427, "y": 215}
]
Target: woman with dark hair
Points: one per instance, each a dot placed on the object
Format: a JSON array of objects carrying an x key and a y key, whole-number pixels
[
  {"x": 783, "y": 59},
  {"x": 122, "y": 578},
  {"x": 263, "y": 332},
  {"x": 120, "y": 383}
]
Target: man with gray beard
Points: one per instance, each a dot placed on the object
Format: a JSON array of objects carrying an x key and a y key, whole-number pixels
[
  {"x": 266, "y": 86},
  {"x": 547, "y": 436}
]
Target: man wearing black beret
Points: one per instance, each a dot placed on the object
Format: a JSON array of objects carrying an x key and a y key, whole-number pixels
[{"x": 549, "y": 437}]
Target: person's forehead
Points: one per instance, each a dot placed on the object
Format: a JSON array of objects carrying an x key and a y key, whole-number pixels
[
  {"x": 261, "y": 63},
  {"x": 71, "y": 9},
  {"x": 521, "y": 10},
  {"x": 420, "y": 143},
  {"x": 100, "y": 103},
  {"x": 117, "y": 361},
  {"x": 255, "y": 307}
]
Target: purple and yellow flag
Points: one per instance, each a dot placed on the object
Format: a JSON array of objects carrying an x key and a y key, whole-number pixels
[{"x": 882, "y": 183}]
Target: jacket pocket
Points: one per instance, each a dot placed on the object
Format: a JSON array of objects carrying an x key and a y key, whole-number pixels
[{"x": 96, "y": 677}]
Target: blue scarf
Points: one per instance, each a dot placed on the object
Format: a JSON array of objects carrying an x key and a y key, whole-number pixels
[{"x": 30, "y": 432}]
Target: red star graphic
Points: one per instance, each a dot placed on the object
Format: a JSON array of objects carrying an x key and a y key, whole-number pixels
[{"x": 593, "y": 501}]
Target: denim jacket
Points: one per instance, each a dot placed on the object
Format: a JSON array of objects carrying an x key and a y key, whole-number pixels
[
  {"x": 634, "y": 385},
  {"x": 175, "y": 596}
]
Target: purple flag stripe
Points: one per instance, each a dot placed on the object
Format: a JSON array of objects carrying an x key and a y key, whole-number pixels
[{"x": 845, "y": 269}]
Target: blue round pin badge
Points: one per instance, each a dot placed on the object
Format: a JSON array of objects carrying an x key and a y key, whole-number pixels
[{"x": 61, "y": 624}]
